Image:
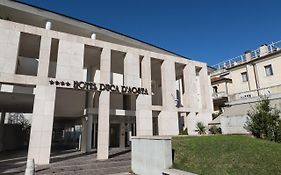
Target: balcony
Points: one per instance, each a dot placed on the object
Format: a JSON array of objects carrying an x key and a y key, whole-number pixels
[
  {"x": 219, "y": 95},
  {"x": 255, "y": 93}
]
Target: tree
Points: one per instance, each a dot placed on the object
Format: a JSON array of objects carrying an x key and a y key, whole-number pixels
[
  {"x": 18, "y": 118},
  {"x": 264, "y": 121},
  {"x": 201, "y": 129}
]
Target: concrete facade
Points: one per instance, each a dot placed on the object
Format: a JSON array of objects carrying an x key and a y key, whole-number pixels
[
  {"x": 232, "y": 95},
  {"x": 59, "y": 58}
]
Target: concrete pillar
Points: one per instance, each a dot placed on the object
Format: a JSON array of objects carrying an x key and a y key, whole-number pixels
[
  {"x": 94, "y": 134},
  {"x": 205, "y": 112},
  {"x": 264, "y": 50},
  {"x": 144, "y": 103},
  {"x": 70, "y": 61},
  {"x": 44, "y": 56},
  {"x": 93, "y": 36},
  {"x": 87, "y": 127},
  {"x": 248, "y": 55},
  {"x": 168, "y": 117},
  {"x": 87, "y": 121},
  {"x": 251, "y": 77},
  {"x": 190, "y": 99},
  {"x": 42, "y": 124},
  {"x": 104, "y": 106},
  {"x": 131, "y": 74},
  {"x": 9, "y": 50},
  {"x": 190, "y": 122},
  {"x": 122, "y": 135},
  {"x": 205, "y": 89},
  {"x": 3, "y": 115},
  {"x": 48, "y": 25}
]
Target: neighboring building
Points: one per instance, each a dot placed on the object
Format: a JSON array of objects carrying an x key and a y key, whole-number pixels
[
  {"x": 75, "y": 77},
  {"x": 237, "y": 84}
]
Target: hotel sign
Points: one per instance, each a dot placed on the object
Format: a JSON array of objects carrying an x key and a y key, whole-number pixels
[{"x": 91, "y": 86}]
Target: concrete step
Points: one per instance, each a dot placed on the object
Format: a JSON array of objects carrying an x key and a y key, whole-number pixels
[
  {"x": 90, "y": 171},
  {"x": 90, "y": 161}
]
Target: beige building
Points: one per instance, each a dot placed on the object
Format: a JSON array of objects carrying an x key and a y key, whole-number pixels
[
  {"x": 237, "y": 84},
  {"x": 78, "y": 78}
]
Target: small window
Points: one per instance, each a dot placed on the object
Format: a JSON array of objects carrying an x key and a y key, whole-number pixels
[
  {"x": 215, "y": 89},
  {"x": 244, "y": 76},
  {"x": 268, "y": 70}
]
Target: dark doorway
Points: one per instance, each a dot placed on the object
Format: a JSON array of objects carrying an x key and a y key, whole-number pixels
[{"x": 114, "y": 135}]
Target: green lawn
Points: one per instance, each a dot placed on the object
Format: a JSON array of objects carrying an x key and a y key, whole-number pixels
[{"x": 230, "y": 154}]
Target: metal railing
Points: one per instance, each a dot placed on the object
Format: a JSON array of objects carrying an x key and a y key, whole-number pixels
[
  {"x": 255, "y": 93},
  {"x": 273, "y": 47}
]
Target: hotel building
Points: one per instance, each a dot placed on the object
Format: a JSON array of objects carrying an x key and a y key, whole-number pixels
[{"x": 76, "y": 77}]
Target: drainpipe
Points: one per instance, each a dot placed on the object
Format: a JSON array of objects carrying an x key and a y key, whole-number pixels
[
  {"x": 256, "y": 78},
  {"x": 249, "y": 86}
]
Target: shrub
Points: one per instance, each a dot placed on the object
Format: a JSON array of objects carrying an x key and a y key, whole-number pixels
[
  {"x": 215, "y": 115},
  {"x": 264, "y": 121},
  {"x": 184, "y": 132},
  {"x": 215, "y": 130},
  {"x": 201, "y": 129}
]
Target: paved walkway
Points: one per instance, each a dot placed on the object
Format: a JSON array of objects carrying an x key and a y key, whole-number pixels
[{"x": 71, "y": 162}]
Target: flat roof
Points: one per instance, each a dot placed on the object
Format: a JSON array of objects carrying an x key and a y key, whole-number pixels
[{"x": 123, "y": 36}]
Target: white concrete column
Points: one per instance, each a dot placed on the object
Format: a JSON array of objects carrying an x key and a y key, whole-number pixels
[
  {"x": 205, "y": 90},
  {"x": 93, "y": 36},
  {"x": 131, "y": 74},
  {"x": 190, "y": 121},
  {"x": 87, "y": 121},
  {"x": 44, "y": 56},
  {"x": 122, "y": 135},
  {"x": 251, "y": 77},
  {"x": 2, "y": 120},
  {"x": 94, "y": 134},
  {"x": 264, "y": 50},
  {"x": 104, "y": 106},
  {"x": 144, "y": 103},
  {"x": 70, "y": 61},
  {"x": 9, "y": 41},
  {"x": 87, "y": 127},
  {"x": 42, "y": 124},
  {"x": 205, "y": 113},
  {"x": 48, "y": 25},
  {"x": 168, "y": 117},
  {"x": 190, "y": 92}
]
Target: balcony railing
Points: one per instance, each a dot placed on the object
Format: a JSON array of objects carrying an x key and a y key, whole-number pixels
[
  {"x": 273, "y": 47},
  {"x": 219, "y": 95},
  {"x": 255, "y": 93}
]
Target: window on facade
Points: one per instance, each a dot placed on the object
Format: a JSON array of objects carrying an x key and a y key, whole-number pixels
[
  {"x": 244, "y": 76},
  {"x": 268, "y": 70},
  {"x": 215, "y": 89},
  {"x": 28, "y": 54}
]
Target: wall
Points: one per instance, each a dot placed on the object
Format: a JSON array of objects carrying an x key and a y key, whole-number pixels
[
  {"x": 151, "y": 155},
  {"x": 237, "y": 84},
  {"x": 275, "y": 79},
  {"x": 233, "y": 124}
]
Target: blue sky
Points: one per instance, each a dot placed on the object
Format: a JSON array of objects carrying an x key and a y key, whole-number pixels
[{"x": 205, "y": 30}]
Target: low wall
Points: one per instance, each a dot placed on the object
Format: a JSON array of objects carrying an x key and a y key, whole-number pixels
[
  {"x": 233, "y": 124},
  {"x": 151, "y": 155}
]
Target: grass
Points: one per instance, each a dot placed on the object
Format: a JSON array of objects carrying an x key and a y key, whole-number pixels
[{"x": 231, "y": 154}]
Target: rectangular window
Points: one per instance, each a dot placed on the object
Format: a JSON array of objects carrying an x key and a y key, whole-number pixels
[
  {"x": 244, "y": 76},
  {"x": 28, "y": 54},
  {"x": 268, "y": 70}
]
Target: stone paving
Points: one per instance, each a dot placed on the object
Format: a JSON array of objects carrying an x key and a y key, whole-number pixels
[{"x": 73, "y": 162}]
